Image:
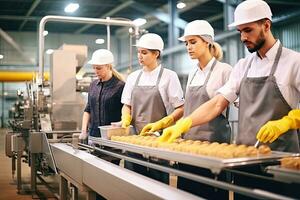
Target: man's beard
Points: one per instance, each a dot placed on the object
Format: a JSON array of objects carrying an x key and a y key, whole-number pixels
[{"x": 259, "y": 43}]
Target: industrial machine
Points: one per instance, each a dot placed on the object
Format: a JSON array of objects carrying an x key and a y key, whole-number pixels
[{"x": 50, "y": 110}]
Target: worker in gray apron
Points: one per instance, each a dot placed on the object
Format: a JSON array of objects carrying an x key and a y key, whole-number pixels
[
  {"x": 146, "y": 101},
  {"x": 150, "y": 107},
  {"x": 261, "y": 101},
  {"x": 198, "y": 37},
  {"x": 217, "y": 130}
]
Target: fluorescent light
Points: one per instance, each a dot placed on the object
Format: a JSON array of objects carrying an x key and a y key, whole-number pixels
[
  {"x": 72, "y": 7},
  {"x": 49, "y": 51},
  {"x": 180, "y": 5},
  {"x": 139, "y": 21},
  {"x": 1, "y": 56},
  {"x": 45, "y": 33},
  {"x": 78, "y": 76},
  {"x": 99, "y": 41}
]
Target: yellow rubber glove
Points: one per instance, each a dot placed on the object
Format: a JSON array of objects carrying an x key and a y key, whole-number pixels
[
  {"x": 170, "y": 134},
  {"x": 161, "y": 124},
  {"x": 126, "y": 120},
  {"x": 273, "y": 129}
]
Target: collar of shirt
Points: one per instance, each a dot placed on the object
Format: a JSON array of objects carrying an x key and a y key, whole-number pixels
[
  {"x": 271, "y": 53},
  {"x": 154, "y": 71},
  {"x": 108, "y": 82},
  {"x": 207, "y": 67}
]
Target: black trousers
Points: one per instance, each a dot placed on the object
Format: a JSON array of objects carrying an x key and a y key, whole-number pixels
[
  {"x": 149, "y": 172},
  {"x": 200, "y": 189}
]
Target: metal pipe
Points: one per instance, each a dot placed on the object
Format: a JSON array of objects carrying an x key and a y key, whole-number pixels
[
  {"x": 19, "y": 171},
  {"x": 59, "y": 132},
  {"x": 108, "y": 35},
  {"x": 33, "y": 173},
  {"x": 18, "y": 76},
  {"x": 2, "y": 105},
  {"x": 52, "y": 18}
]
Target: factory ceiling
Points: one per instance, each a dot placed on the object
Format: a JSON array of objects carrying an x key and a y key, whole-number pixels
[{"x": 24, "y": 15}]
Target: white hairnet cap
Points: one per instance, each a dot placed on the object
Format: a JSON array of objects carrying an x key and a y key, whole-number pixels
[
  {"x": 101, "y": 57},
  {"x": 251, "y": 11},
  {"x": 198, "y": 27},
  {"x": 151, "y": 41}
]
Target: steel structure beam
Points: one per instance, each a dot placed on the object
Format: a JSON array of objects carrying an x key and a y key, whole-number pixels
[
  {"x": 160, "y": 15},
  {"x": 21, "y": 18},
  {"x": 108, "y": 14},
  {"x": 33, "y": 6},
  {"x": 152, "y": 20}
]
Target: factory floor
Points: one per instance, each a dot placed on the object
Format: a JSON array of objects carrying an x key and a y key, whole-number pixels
[{"x": 8, "y": 186}]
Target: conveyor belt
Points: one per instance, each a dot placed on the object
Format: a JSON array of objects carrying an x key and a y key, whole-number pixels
[{"x": 212, "y": 163}]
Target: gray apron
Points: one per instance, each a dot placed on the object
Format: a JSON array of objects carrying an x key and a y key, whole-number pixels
[
  {"x": 218, "y": 129},
  {"x": 260, "y": 102},
  {"x": 146, "y": 104}
]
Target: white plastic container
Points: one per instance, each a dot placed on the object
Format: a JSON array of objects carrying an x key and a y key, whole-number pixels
[{"x": 109, "y": 130}]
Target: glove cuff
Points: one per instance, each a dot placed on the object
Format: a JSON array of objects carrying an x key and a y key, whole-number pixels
[
  {"x": 126, "y": 117},
  {"x": 167, "y": 121},
  {"x": 185, "y": 124},
  {"x": 285, "y": 124},
  {"x": 294, "y": 116}
]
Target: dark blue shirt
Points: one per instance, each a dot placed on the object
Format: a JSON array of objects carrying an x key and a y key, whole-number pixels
[{"x": 104, "y": 103}]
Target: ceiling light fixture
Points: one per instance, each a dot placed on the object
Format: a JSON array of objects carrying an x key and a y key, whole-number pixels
[
  {"x": 139, "y": 21},
  {"x": 99, "y": 41},
  {"x": 1, "y": 56},
  {"x": 49, "y": 51},
  {"x": 45, "y": 33},
  {"x": 180, "y": 5},
  {"x": 72, "y": 7}
]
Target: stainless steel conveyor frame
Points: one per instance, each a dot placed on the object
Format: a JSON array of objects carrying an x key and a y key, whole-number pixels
[{"x": 110, "y": 180}]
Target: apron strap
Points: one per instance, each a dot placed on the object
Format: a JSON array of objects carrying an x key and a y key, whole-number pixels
[
  {"x": 249, "y": 65},
  {"x": 193, "y": 76},
  {"x": 159, "y": 75},
  {"x": 209, "y": 73},
  {"x": 138, "y": 79},
  {"x": 276, "y": 61}
]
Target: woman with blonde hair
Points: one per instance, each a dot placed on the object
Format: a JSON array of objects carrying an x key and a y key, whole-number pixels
[
  {"x": 104, "y": 99},
  {"x": 203, "y": 83}
]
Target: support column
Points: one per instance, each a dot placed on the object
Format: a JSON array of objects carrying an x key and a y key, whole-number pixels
[
  {"x": 2, "y": 105},
  {"x": 63, "y": 188},
  {"x": 173, "y": 31}
]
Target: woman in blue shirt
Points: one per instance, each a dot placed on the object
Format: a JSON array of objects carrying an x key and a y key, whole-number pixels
[{"x": 104, "y": 98}]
